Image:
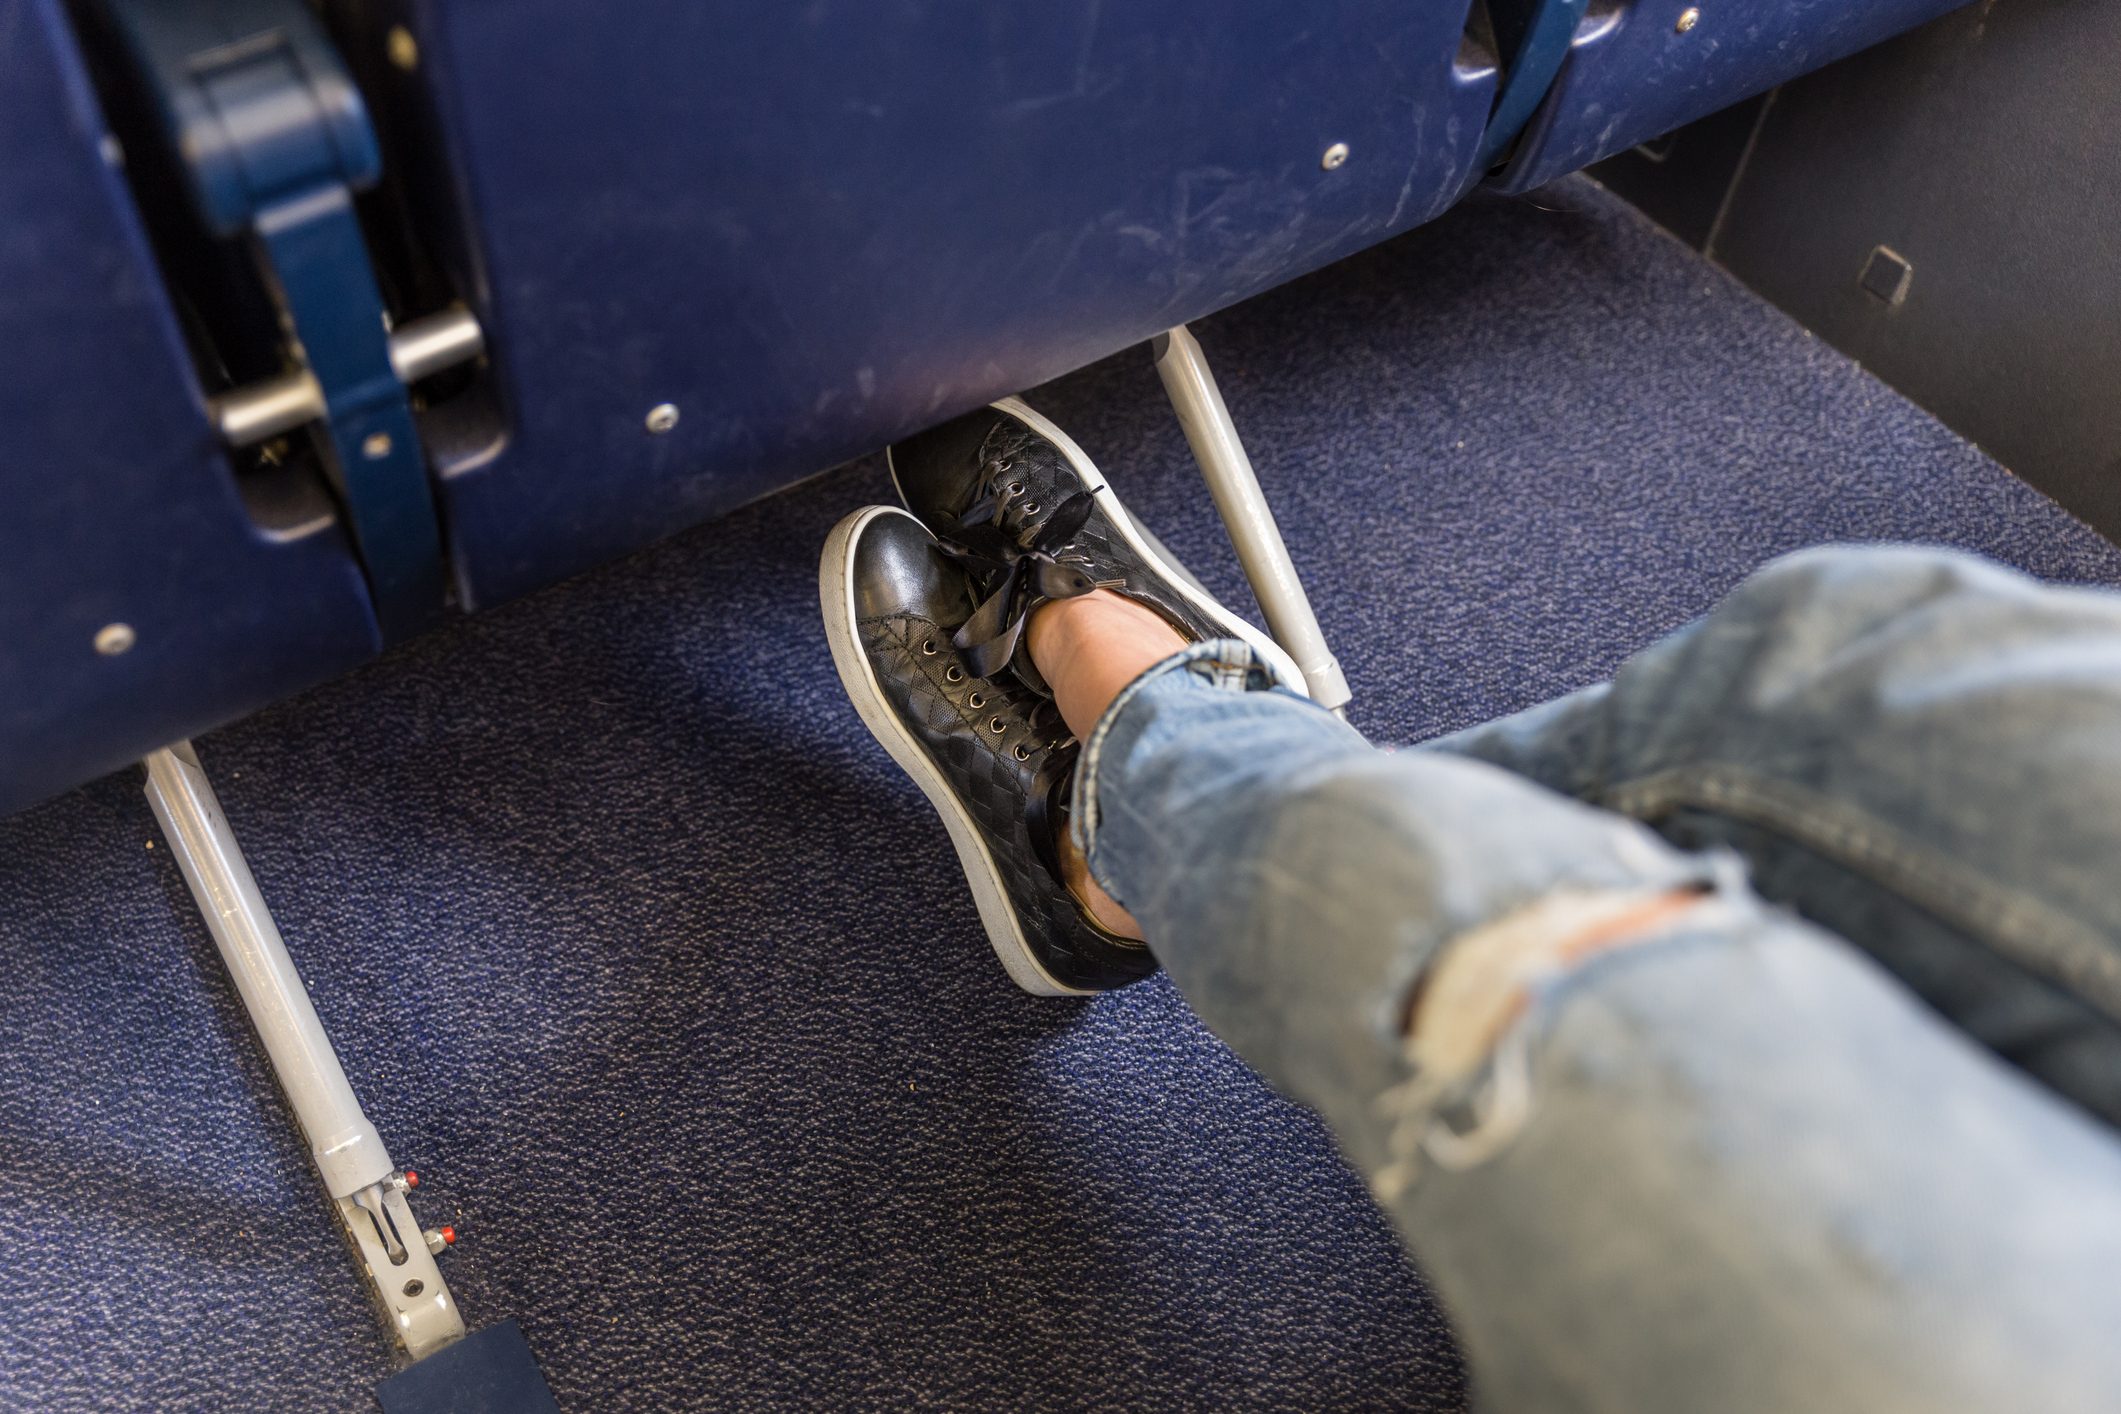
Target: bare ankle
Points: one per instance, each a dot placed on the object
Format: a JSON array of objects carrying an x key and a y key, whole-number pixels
[
  {"x": 1103, "y": 909},
  {"x": 1089, "y": 647}
]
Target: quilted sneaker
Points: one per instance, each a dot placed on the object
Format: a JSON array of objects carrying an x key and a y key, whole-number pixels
[
  {"x": 1029, "y": 515},
  {"x": 993, "y": 757}
]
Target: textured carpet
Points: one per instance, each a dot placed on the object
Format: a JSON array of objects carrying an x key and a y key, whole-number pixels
[{"x": 695, "y": 1036}]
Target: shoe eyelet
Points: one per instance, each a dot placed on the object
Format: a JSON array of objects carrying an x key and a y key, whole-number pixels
[
  {"x": 953, "y": 673},
  {"x": 976, "y": 701},
  {"x": 1030, "y": 508},
  {"x": 1016, "y": 488},
  {"x": 997, "y": 725},
  {"x": 1022, "y": 752},
  {"x": 927, "y": 648}
]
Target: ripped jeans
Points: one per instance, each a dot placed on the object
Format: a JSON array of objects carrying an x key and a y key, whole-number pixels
[{"x": 1740, "y": 1034}]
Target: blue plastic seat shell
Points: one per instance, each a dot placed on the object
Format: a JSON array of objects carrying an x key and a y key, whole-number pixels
[
  {"x": 815, "y": 230},
  {"x": 119, "y": 505}
]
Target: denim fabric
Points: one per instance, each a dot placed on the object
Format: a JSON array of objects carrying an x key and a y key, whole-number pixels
[
  {"x": 1918, "y": 750},
  {"x": 1725, "y": 1161}
]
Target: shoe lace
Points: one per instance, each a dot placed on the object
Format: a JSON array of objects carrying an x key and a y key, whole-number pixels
[
  {"x": 1025, "y": 570},
  {"x": 1047, "y": 728}
]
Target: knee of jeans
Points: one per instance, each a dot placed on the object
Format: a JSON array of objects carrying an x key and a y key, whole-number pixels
[
  {"x": 1853, "y": 586},
  {"x": 1470, "y": 1021}
]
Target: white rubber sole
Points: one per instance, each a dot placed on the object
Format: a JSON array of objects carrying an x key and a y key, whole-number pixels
[
  {"x": 1108, "y": 502},
  {"x": 835, "y": 593}
]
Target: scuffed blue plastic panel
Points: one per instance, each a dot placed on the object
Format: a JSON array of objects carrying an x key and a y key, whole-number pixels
[
  {"x": 816, "y": 227},
  {"x": 116, "y": 506},
  {"x": 1633, "y": 75}
]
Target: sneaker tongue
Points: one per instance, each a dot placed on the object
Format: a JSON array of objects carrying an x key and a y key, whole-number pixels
[
  {"x": 1049, "y": 824},
  {"x": 1065, "y": 523},
  {"x": 1046, "y": 803}
]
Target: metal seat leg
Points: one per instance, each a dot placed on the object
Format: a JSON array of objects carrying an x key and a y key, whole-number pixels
[
  {"x": 1231, "y": 481},
  {"x": 367, "y": 1190}
]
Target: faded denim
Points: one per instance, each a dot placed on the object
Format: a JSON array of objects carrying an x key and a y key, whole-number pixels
[{"x": 1822, "y": 1134}]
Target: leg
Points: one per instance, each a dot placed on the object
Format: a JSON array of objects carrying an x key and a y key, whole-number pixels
[
  {"x": 1920, "y": 751},
  {"x": 1660, "y": 1146}
]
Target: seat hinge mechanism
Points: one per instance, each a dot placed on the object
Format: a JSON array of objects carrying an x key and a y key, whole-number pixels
[{"x": 275, "y": 140}]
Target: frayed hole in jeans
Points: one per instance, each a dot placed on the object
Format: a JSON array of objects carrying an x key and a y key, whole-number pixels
[
  {"x": 1466, "y": 1022},
  {"x": 1547, "y": 935}
]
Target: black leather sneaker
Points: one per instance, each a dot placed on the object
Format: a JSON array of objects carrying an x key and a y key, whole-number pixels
[
  {"x": 1029, "y": 515},
  {"x": 993, "y": 757}
]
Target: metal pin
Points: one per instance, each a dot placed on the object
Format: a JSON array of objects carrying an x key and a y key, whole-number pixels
[
  {"x": 662, "y": 417},
  {"x": 1335, "y": 156},
  {"x": 376, "y": 446},
  {"x": 418, "y": 349},
  {"x": 404, "y": 50},
  {"x": 1688, "y": 18},
  {"x": 113, "y": 639}
]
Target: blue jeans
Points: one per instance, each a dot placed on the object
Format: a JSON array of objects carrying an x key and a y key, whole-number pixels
[{"x": 1738, "y": 1034}]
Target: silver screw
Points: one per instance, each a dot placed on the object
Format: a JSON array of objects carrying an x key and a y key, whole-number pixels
[
  {"x": 1335, "y": 156},
  {"x": 113, "y": 639},
  {"x": 662, "y": 417},
  {"x": 1688, "y": 18},
  {"x": 376, "y": 446}
]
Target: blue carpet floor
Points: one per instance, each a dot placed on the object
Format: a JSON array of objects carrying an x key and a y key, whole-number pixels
[{"x": 733, "y": 1109}]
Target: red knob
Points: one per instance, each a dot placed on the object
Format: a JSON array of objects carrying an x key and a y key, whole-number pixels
[
  {"x": 412, "y": 1180},
  {"x": 449, "y": 1236}
]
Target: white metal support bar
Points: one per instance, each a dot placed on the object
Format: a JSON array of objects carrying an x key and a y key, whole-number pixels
[
  {"x": 1235, "y": 487},
  {"x": 367, "y": 1191}
]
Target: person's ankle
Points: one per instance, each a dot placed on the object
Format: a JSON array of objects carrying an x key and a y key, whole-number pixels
[
  {"x": 1103, "y": 909},
  {"x": 1090, "y": 647}
]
